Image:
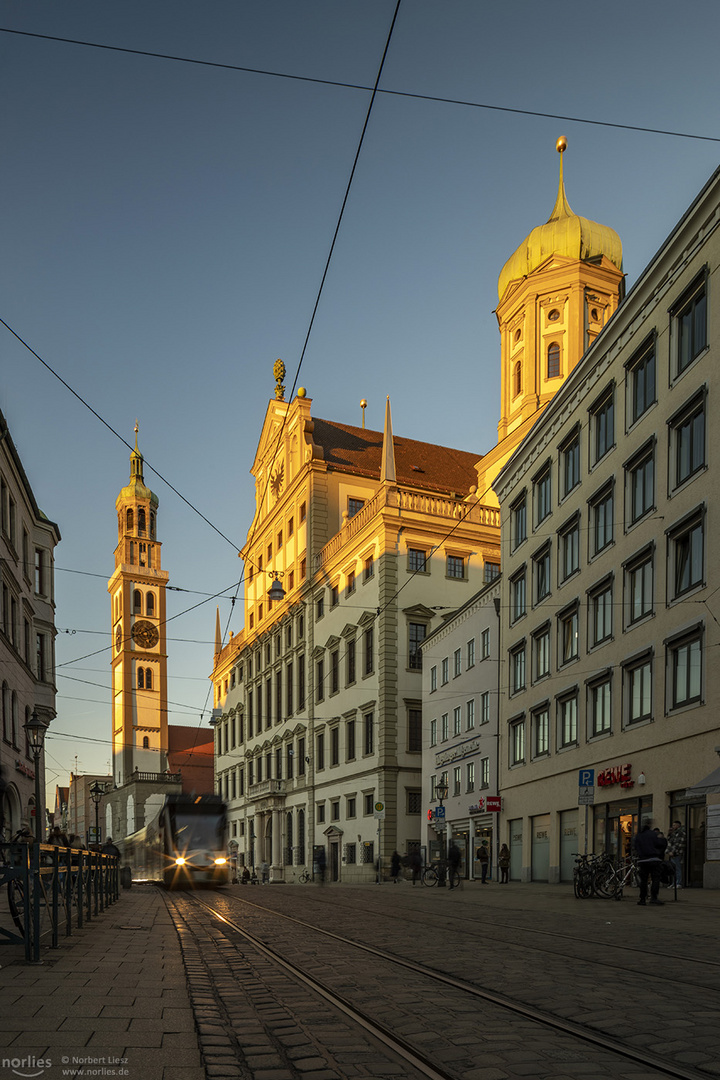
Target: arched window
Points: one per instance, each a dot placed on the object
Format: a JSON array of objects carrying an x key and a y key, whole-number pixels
[
  {"x": 553, "y": 360},
  {"x": 6, "y": 711},
  {"x": 152, "y": 524},
  {"x": 150, "y": 602},
  {"x": 141, "y": 678},
  {"x": 148, "y": 679},
  {"x": 129, "y": 521},
  {"x": 137, "y": 602},
  {"x": 146, "y": 742},
  {"x": 141, "y": 522},
  {"x": 517, "y": 379}
]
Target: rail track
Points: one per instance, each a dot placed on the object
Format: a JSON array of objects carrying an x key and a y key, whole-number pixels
[{"x": 370, "y": 1003}]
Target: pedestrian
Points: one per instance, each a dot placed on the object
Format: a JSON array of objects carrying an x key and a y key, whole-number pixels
[
  {"x": 245, "y": 876},
  {"x": 57, "y": 837},
  {"x": 676, "y": 850},
  {"x": 395, "y": 866},
  {"x": 265, "y": 873},
  {"x": 320, "y": 862},
  {"x": 650, "y": 850},
  {"x": 415, "y": 864},
  {"x": 75, "y": 841},
  {"x": 483, "y": 856},
  {"x": 504, "y": 864},
  {"x": 109, "y": 848},
  {"x": 454, "y": 860}
]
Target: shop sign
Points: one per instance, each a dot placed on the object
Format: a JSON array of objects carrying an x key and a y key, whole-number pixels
[
  {"x": 24, "y": 769},
  {"x": 620, "y": 774},
  {"x": 457, "y": 753},
  {"x": 489, "y": 803}
]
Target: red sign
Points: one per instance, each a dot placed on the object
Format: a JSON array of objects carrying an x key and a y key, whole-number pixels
[
  {"x": 621, "y": 775},
  {"x": 493, "y": 803}
]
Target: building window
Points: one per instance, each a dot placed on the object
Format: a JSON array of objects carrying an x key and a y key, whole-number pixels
[
  {"x": 470, "y": 776},
  {"x": 445, "y": 671},
  {"x": 350, "y": 740},
  {"x": 518, "y": 528},
  {"x": 599, "y": 705},
  {"x": 485, "y": 772},
  {"x": 39, "y": 576},
  {"x": 541, "y": 654},
  {"x": 568, "y": 720},
  {"x": 320, "y": 813},
  {"x": 639, "y": 586},
  {"x": 570, "y": 463},
  {"x": 641, "y": 370},
  {"x": 601, "y": 613},
  {"x": 368, "y": 568},
  {"x": 417, "y": 561},
  {"x": 414, "y": 721},
  {"x": 471, "y": 653},
  {"x": 485, "y": 707},
  {"x": 638, "y": 687},
  {"x": 517, "y": 379},
  {"x": 457, "y": 663},
  {"x": 334, "y": 671},
  {"x": 350, "y": 583},
  {"x": 320, "y": 751},
  {"x": 541, "y": 732},
  {"x": 335, "y": 746},
  {"x": 553, "y": 360},
  {"x": 542, "y": 495},
  {"x": 433, "y": 732},
  {"x": 291, "y": 526},
  {"x": 640, "y": 481},
  {"x": 517, "y": 669},
  {"x": 687, "y": 435},
  {"x": 690, "y": 315},
  {"x": 686, "y": 548},
  {"x": 334, "y": 596},
  {"x": 685, "y": 663},
  {"x": 457, "y": 780},
  {"x": 416, "y": 635},
  {"x": 369, "y": 651},
  {"x": 355, "y": 506},
  {"x": 303, "y": 511},
  {"x": 320, "y": 680},
  {"x": 541, "y": 571},
  {"x": 568, "y": 635},
  {"x": 569, "y": 548},
  {"x": 470, "y": 714},
  {"x": 491, "y": 571},
  {"x": 414, "y": 803},
  {"x": 351, "y": 809},
  {"x": 445, "y": 727},
  {"x": 601, "y": 520},
  {"x": 455, "y": 567},
  {"x": 485, "y": 644},
  {"x": 350, "y": 661},
  {"x": 518, "y": 598},
  {"x": 369, "y": 732},
  {"x": 320, "y": 606},
  {"x": 433, "y": 678},
  {"x": 602, "y": 426},
  {"x": 457, "y": 720},
  {"x": 517, "y": 742}
]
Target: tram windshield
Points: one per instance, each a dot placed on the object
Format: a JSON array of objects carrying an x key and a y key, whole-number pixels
[{"x": 193, "y": 831}]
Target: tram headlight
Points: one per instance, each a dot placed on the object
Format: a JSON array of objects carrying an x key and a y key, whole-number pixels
[
  {"x": 220, "y": 862},
  {"x": 180, "y": 861}
]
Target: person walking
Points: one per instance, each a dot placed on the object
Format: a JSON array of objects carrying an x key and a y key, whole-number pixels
[
  {"x": 483, "y": 856},
  {"x": 650, "y": 850},
  {"x": 109, "y": 848},
  {"x": 454, "y": 860},
  {"x": 676, "y": 850},
  {"x": 504, "y": 864},
  {"x": 395, "y": 866},
  {"x": 320, "y": 863},
  {"x": 415, "y": 864}
]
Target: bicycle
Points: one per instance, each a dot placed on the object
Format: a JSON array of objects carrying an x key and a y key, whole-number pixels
[
  {"x": 612, "y": 884},
  {"x": 304, "y": 877}
]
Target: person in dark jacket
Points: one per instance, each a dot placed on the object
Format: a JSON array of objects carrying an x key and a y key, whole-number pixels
[
  {"x": 650, "y": 851},
  {"x": 395, "y": 866}
]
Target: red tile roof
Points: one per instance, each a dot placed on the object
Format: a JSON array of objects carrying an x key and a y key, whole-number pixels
[{"x": 417, "y": 464}]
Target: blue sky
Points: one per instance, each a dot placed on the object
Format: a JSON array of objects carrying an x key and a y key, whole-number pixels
[{"x": 164, "y": 229}]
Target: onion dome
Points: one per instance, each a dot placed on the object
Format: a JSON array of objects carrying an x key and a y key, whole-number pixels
[
  {"x": 136, "y": 489},
  {"x": 564, "y": 233}
]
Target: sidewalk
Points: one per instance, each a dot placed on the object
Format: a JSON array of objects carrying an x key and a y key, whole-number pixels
[{"x": 111, "y": 1001}]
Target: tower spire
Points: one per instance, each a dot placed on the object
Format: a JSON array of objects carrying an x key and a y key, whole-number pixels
[
  {"x": 218, "y": 635},
  {"x": 387, "y": 469},
  {"x": 562, "y": 206}
]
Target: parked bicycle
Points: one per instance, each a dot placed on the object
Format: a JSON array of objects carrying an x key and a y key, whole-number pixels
[
  {"x": 589, "y": 874},
  {"x": 440, "y": 872}
]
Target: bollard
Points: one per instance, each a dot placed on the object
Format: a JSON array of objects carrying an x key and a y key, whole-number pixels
[{"x": 126, "y": 877}]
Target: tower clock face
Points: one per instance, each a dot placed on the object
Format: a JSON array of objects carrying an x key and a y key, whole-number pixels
[{"x": 145, "y": 634}]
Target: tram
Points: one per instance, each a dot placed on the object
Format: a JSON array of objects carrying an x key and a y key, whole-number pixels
[{"x": 183, "y": 845}]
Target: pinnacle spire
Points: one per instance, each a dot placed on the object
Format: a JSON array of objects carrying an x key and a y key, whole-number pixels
[
  {"x": 562, "y": 206},
  {"x": 387, "y": 469},
  {"x": 218, "y": 634}
]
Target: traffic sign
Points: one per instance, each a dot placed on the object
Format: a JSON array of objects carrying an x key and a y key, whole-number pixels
[
  {"x": 586, "y": 778},
  {"x": 586, "y": 796},
  {"x": 440, "y": 813},
  {"x": 379, "y": 811}
]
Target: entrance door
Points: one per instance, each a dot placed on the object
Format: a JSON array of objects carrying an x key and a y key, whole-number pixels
[
  {"x": 568, "y": 843},
  {"x": 334, "y": 860},
  {"x": 540, "y": 852}
]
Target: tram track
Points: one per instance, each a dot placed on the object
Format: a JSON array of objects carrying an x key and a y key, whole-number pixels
[{"x": 505, "y": 1006}]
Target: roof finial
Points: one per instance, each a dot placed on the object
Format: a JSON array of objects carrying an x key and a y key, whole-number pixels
[
  {"x": 279, "y": 373},
  {"x": 137, "y": 428},
  {"x": 561, "y": 207}
]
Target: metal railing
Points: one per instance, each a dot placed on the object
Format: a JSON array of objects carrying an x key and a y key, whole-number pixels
[{"x": 51, "y": 888}]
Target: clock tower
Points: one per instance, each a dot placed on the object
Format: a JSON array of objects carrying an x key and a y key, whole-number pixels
[{"x": 139, "y": 652}]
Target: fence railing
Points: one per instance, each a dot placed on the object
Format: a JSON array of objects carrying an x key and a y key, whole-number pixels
[{"x": 50, "y": 889}]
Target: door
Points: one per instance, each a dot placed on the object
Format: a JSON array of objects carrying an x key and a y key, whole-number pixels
[
  {"x": 568, "y": 843},
  {"x": 540, "y": 853},
  {"x": 334, "y": 860}
]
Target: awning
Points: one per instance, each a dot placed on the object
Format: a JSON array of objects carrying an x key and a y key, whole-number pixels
[{"x": 709, "y": 786}]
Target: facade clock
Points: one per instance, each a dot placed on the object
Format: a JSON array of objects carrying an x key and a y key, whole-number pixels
[{"x": 145, "y": 634}]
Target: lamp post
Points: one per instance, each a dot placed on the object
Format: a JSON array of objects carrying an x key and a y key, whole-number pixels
[
  {"x": 97, "y": 790},
  {"x": 35, "y": 729},
  {"x": 441, "y": 792}
]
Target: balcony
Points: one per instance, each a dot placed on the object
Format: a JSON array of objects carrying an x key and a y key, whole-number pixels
[{"x": 266, "y": 787}]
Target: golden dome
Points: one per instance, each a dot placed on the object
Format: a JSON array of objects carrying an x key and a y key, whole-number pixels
[{"x": 564, "y": 233}]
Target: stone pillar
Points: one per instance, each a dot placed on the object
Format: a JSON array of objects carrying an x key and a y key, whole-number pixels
[{"x": 276, "y": 869}]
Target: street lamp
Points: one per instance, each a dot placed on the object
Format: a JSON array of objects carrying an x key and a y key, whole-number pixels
[
  {"x": 35, "y": 729},
  {"x": 276, "y": 591},
  {"x": 441, "y": 793},
  {"x": 97, "y": 790}
]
